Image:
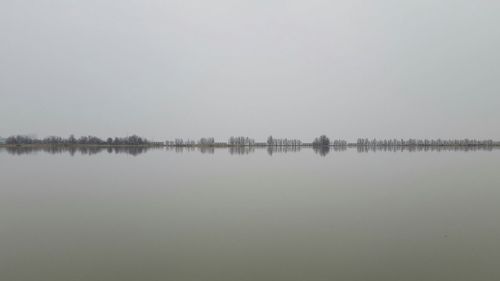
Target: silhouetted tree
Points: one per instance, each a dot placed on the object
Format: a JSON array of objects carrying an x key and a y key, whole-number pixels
[
  {"x": 270, "y": 140},
  {"x": 71, "y": 139},
  {"x": 323, "y": 140}
]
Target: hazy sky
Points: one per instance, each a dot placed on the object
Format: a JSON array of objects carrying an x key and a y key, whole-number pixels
[{"x": 188, "y": 68}]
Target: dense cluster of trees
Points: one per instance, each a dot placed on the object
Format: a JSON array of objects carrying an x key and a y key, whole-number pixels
[
  {"x": 283, "y": 142},
  {"x": 83, "y": 150},
  {"x": 321, "y": 141},
  {"x": 189, "y": 143},
  {"x": 207, "y": 142},
  {"x": 83, "y": 140},
  {"x": 241, "y": 141},
  {"x": 425, "y": 142},
  {"x": 340, "y": 143},
  {"x": 21, "y": 140}
]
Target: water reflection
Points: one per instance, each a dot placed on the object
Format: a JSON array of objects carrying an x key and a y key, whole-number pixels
[
  {"x": 241, "y": 150},
  {"x": 235, "y": 150},
  {"x": 208, "y": 149},
  {"x": 363, "y": 149},
  {"x": 322, "y": 150},
  {"x": 282, "y": 149},
  {"x": 180, "y": 149},
  {"x": 185, "y": 214},
  {"x": 83, "y": 150}
]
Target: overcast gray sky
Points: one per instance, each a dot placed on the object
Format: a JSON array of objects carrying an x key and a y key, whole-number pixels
[{"x": 186, "y": 68}]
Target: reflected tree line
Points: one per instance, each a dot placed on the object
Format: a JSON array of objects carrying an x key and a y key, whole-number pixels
[
  {"x": 233, "y": 150},
  {"x": 282, "y": 149},
  {"x": 246, "y": 141},
  {"x": 82, "y": 150},
  {"x": 362, "y": 149},
  {"x": 237, "y": 145},
  {"x": 133, "y": 140},
  {"x": 425, "y": 142}
]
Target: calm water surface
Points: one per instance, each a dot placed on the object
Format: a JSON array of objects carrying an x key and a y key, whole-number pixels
[{"x": 222, "y": 214}]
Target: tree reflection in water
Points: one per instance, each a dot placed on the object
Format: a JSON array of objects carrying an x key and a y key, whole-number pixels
[
  {"x": 72, "y": 150},
  {"x": 234, "y": 150}
]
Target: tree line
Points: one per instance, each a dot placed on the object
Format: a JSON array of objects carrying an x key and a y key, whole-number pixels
[
  {"x": 425, "y": 142},
  {"x": 83, "y": 140},
  {"x": 321, "y": 141},
  {"x": 283, "y": 142}
]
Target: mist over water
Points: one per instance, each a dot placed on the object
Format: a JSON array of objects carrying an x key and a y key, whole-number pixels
[
  {"x": 249, "y": 214},
  {"x": 192, "y": 140}
]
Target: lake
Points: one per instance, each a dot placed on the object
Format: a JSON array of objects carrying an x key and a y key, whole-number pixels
[{"x": 249, "y": 214}]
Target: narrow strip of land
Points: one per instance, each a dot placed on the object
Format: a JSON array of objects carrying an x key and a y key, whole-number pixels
[{"x": 240, "y": 141}]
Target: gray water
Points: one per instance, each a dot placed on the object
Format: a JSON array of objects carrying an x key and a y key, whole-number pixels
[{"x": 249, "y": 214}]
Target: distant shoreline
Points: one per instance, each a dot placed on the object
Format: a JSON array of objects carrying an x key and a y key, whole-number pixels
[
  {"x": 79, "y": 145},
  {"x": 229, "y": 145},
  {"x": 236, "y": 142}
]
